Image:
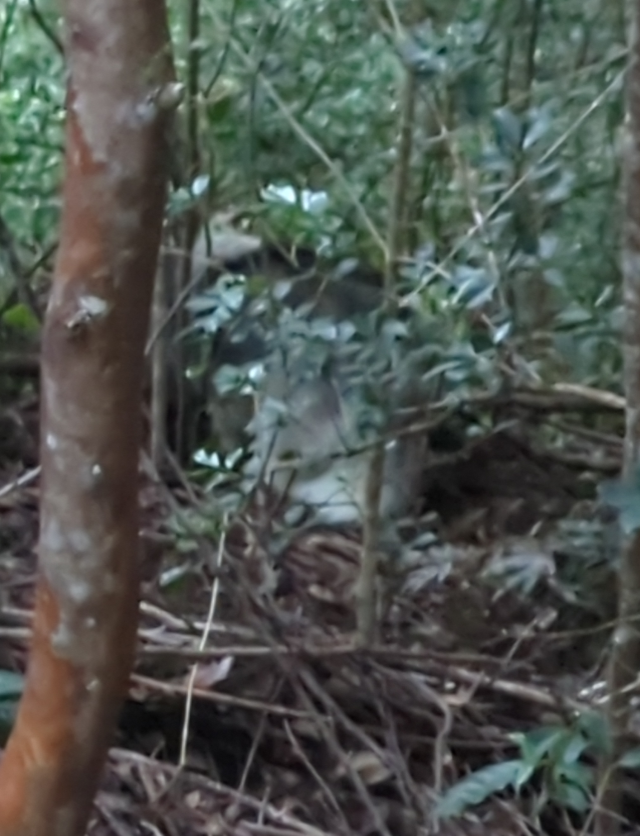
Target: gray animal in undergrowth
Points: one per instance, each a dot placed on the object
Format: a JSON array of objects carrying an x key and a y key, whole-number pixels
[
  {"x": 310, "y": 447},
  {"x": 312, "y": 439}
]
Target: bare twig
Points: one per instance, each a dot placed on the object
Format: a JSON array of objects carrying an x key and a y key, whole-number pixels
[{"x": 48, "y": 30}]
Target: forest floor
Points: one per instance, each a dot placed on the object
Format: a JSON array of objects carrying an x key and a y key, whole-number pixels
[{"x": 493, "y": 632}]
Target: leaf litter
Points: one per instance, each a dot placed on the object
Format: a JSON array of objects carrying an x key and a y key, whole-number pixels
[{"x": 494, "y": 625}]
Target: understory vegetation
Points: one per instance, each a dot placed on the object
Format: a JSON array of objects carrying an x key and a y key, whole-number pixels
[{"x": 465, "y": 161}]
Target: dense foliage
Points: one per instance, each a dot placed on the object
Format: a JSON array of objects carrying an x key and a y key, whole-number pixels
[
  {"x": 511, "y": 206},
  {"x": 469, "y": 152}
]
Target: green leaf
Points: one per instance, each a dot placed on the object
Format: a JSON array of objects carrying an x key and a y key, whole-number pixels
[
  {"x": 219, "y": 109},
  {"x": 525, "y": 774},
  {"x": 200, "y": 185},
  {"x": 509, "y": 131},
  {"x": 573, "y": 750},
  {"x": 22, "y": 318},
  {"x": 539, "y": 126},
  {"x": 477, "y": 787},
  {"x": 11, "y": 687},
  {"x": 595, "y": 727},
  {"x": 630, "y": 759},
  {"x": 573, "y": 796},
  {"x": 577, "y": 774},
  {"x": 536, "y": 744}
]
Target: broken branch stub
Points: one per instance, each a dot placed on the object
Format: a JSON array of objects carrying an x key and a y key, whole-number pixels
[{"x": 120, "y": 94}]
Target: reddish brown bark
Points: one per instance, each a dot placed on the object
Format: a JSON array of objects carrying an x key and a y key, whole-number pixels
[{"x": 119, "y": 95}]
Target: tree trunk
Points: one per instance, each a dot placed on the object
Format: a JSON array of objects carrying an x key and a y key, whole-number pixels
[
  {"x": 625, "y": 654},
  {"x": 118, "y": 102}
]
